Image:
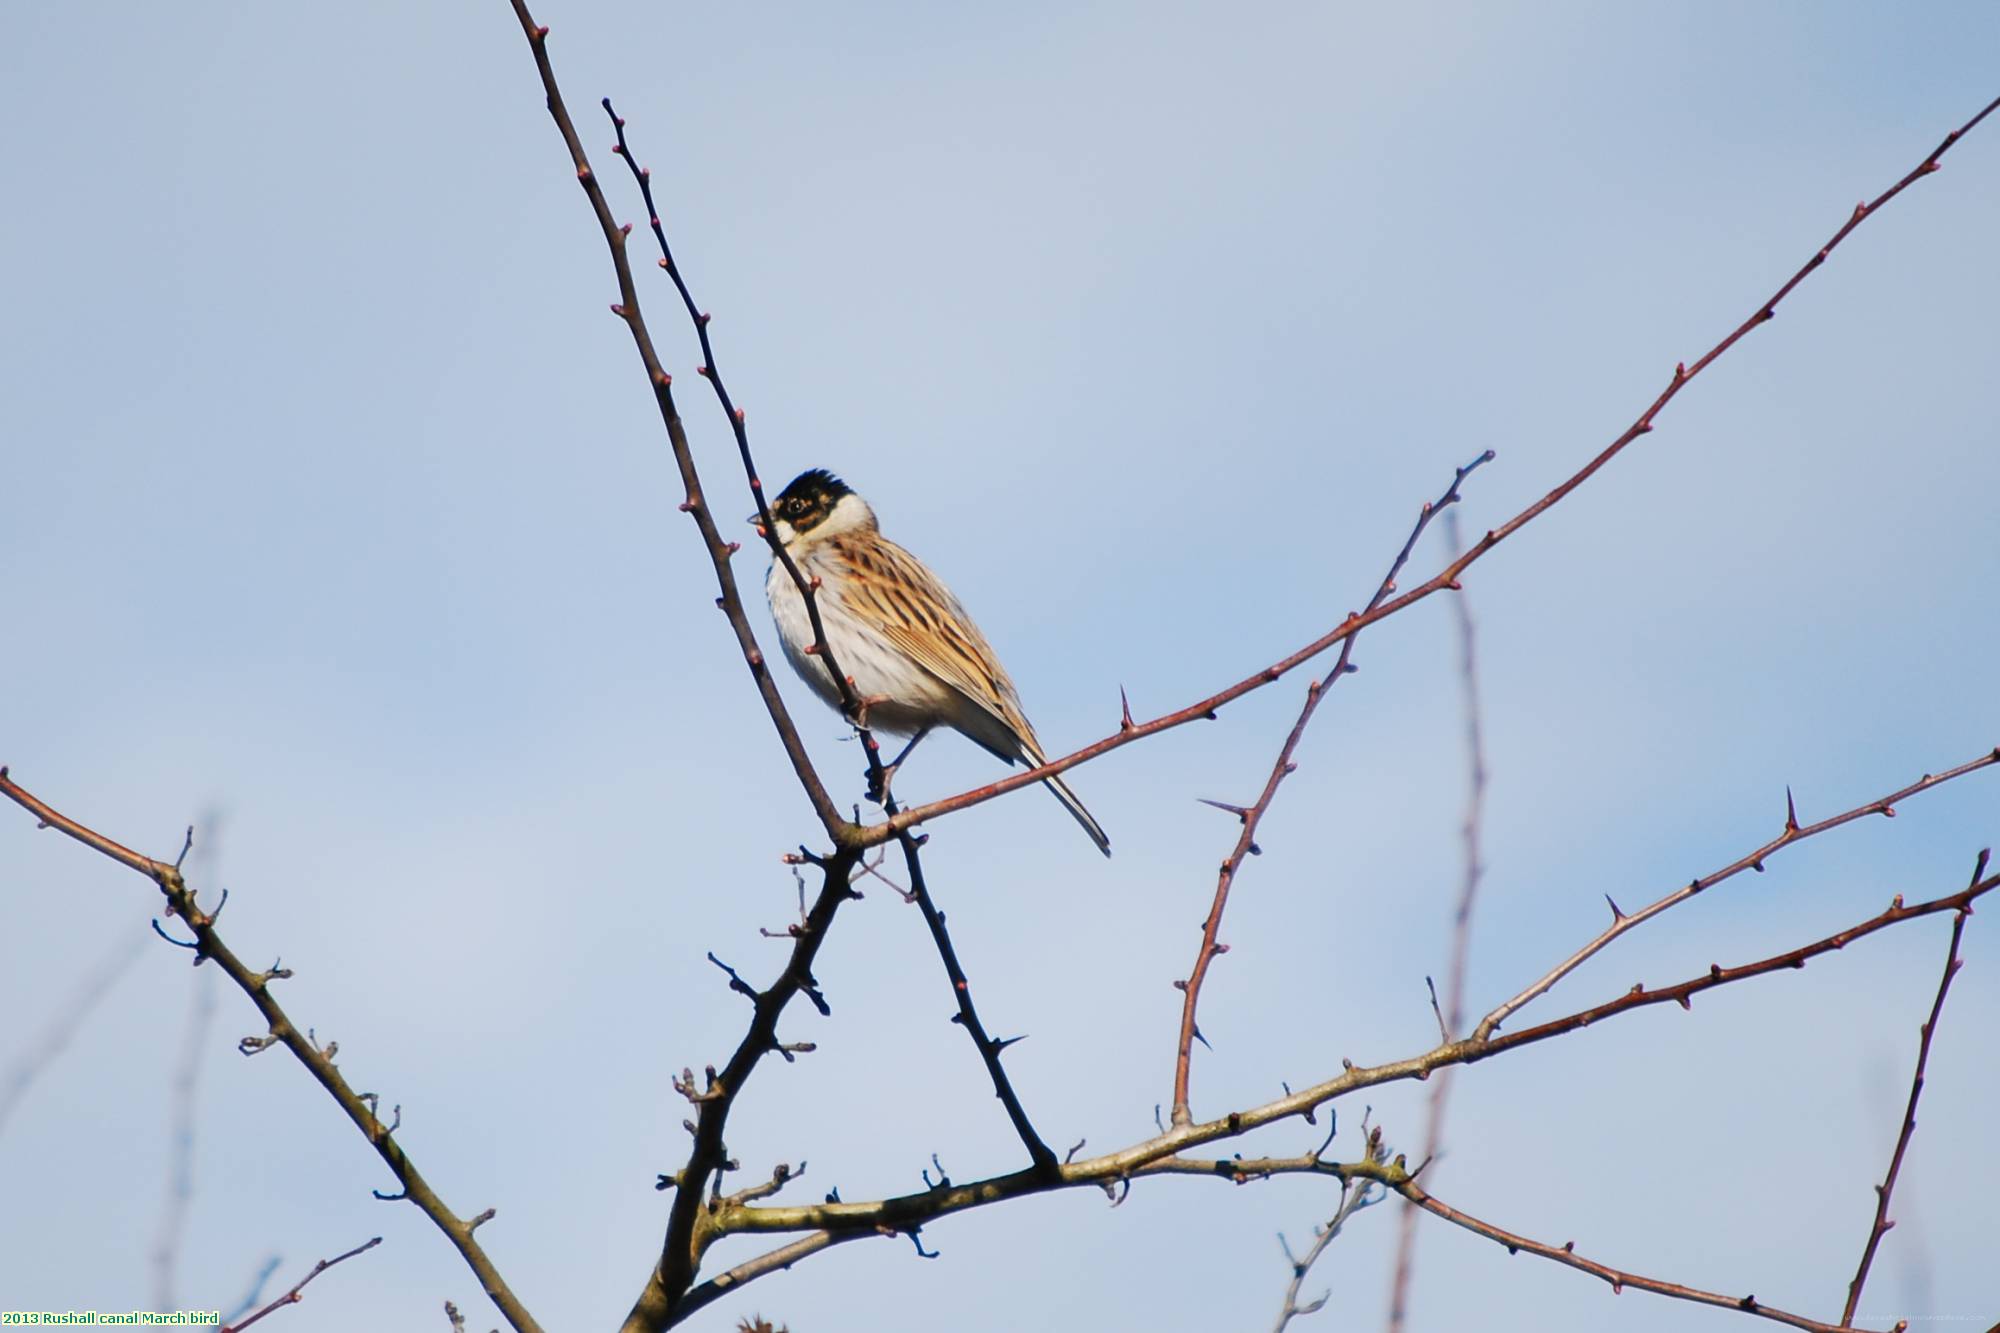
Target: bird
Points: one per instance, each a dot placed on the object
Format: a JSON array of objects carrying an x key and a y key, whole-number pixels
[{"x": 914, "y": 657}]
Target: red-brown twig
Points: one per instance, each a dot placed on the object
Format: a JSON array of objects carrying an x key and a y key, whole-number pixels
[
  {"x": 1453, "y": 1013},
  {"x": 1793, "y": 833},
  {"x": 1251, "y": 816},
  {"x": 293, "y": 1297},
  {"x": 282, "y": 1031},
  {"x": 1880, "y": 1227},
  {"x": 694, "y": 504},
  {"x": 1448, "y": 577},
  {"x": 1566, "y": 1255}
]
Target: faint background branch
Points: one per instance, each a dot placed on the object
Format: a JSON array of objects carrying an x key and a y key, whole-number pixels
[
  {"x": 183, "y": 1107},
  {"x": 1452, "y": 1018},
  {"x": 66, "y": 1019}
]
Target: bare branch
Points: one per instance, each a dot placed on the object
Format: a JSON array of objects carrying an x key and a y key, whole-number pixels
[
  {"x": 1354, "y": 1196},
  {"x": 1163, "y": 1154},
  {"x": 1566, "y": 1255},
  {"x": 1880, "y": 1227},
  {"x": 1792, "y": 834},
  {"x": 1039, "y": 1152},
  {"x": 318, "y": 1062},
  {"x": 293, "y": 1297},
  {"x": 1282, "y": 768}
]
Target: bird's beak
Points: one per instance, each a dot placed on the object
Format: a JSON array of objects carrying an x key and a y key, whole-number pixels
[{"x": 757, "y": 522}]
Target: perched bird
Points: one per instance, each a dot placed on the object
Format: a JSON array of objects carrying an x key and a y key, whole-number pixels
[{"x": 916, "y": 659}]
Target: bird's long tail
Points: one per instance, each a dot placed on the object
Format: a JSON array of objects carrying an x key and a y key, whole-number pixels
[{"x": 1083, "y": 816}]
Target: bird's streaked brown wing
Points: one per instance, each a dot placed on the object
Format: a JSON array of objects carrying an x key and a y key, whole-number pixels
[{"x": 891, "y": 591}]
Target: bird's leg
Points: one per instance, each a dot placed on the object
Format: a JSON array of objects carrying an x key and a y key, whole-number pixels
[
  {"x": 866, "y": 702},
  {"x": 878, "y": 790}
]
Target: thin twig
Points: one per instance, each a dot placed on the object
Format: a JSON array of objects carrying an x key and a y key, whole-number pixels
[
  {"x": 1039, "y": 1152},
  {"x": 257, "y": 985},
  {"x": 293, "y": 1297},
  {"x": 1449, "y": 576},
  {"x": 1252, "y": 816},
  {"x": 1792, "y": 834},
  {"x": 1355, "y": 1194},
  {"x": 1618, "y": 1279},
  {"x": 1880, "y": 1227},
  {"x": 1471, "y": 869}
]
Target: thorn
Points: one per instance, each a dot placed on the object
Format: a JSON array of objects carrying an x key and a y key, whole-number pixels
[
  {"x": 1203, "y": 1040},
  {"x": 1616, "y": 915},
  {"x": 1124, "y": 711},
  {"x": 1791, "y": 811},
  {"x": 1240, "y": 812}
]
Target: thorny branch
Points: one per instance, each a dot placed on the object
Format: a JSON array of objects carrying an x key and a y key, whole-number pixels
[
  {"x": 967, "y": 1017},
  {"x": 208, "y": 946},
  {"x": 1880, "y": 1227},
  {"x": 836, "y": 1222},
  {"x": 1448, "y": 577},
  {"x": 1282, "y": 768},
  {"x": 1792, "y": 834},
  {"x": 1566, "y": 1255}
]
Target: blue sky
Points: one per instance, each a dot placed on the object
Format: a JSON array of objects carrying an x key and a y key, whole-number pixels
[{"x": 336, "y": 507}]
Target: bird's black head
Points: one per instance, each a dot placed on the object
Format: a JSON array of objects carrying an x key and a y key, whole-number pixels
[{"x": 806, "y": 503}]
